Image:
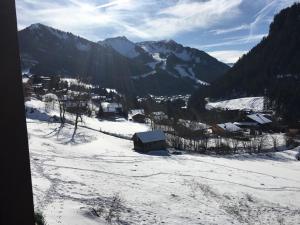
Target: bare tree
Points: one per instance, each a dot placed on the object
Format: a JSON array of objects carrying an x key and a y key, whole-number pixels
[
  {"x": 275, "y": 141},
  {"x": 78, "y": 105}
]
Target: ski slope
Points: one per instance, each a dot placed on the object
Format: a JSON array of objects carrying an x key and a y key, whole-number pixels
[
  {"x": 71, "y": 178},
  {"x": 255, "y": 104}
]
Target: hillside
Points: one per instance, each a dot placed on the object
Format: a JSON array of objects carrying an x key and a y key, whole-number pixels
[
  {"x": 47, "y": 51},
  {"x": 271, "y": 68},
  {"x": 72, "y": 179},
  {"x": 274, "y": 59}
]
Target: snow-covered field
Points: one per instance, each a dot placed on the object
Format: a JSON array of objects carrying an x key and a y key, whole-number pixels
[
  {"x": 255, "y": 104},
  {"x": 120, "y": 126},
  {"x": 69, "y": 179}
]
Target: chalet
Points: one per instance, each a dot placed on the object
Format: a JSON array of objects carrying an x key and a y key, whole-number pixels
[
  {"x": 150, "y": 140},
  {"x": 111, "y": 109},
  {"x": 223, "y": 128},
  {"x": 137, "y": 115},
  {"x": 262, "y": 122}
]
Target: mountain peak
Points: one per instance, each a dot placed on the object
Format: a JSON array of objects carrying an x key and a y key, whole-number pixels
[
  {"x": 117, "y": 38},
  {"x": 169, "y": 41},
  {"x": 35, "y": 26},
  {"x": 122, "y": 45}
]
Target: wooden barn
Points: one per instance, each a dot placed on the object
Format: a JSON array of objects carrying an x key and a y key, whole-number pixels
[
  {"x": 137, "y": 115},
  {"x": 150, "y": 140}
]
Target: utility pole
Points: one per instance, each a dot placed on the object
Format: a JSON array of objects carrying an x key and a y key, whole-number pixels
[{"x": 16, "y": 201}]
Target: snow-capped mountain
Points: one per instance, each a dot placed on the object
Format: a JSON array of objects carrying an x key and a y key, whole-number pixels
[
  {"x": 169, "y": 57},
  {"x": 48, "y": 51},
  {"x": 162, "y": 67},
  {"x": 183, "y": 62},
  {"x": 123, "y": 46}
]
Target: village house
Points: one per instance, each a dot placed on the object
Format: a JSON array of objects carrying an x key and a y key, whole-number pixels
[
  {"x": 111, "y": 109},
  {"x": 149, "y": 141},
  {"x": 224, "y": 128}
]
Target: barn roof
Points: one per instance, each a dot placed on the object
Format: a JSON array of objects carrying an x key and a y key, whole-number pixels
[
  {"x": 259, "y": 118},
  {"x": 230, "y": 127},
  {"x": 151, "y": 136}
]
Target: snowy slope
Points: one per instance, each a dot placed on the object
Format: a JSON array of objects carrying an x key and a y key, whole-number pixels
[
  {"x": 255, "y": 104},
  {"x": 71, "y": 178},
  {"x": 120, "y": 127},
  {"x": 122, "y": 45}
]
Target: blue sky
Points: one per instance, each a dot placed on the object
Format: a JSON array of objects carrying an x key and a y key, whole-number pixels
[{"x": 225, "y": 29}]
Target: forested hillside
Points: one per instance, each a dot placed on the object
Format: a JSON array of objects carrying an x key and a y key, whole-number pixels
[{"x": 271, "y": 68}]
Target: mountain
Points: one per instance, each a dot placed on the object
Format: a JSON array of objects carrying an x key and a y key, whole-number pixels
[
  {"x": 179, "y": 67},
  {"x": 271, "y": 68},
  {"x": 181, "y": 61},
  {"x": 47, "y": 51},
  {"x": 164, "y": 67}
]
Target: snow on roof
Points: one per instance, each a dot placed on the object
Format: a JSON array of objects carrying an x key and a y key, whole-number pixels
[
  {"x": 230, "y": 127},
  {"x": 134, "y": 112},
  {"x": 259, "y": 118},
  {"x": 110, "y": 107},
  {"x": 245, "y": 123},
  {"x": 151, "y": 136},
  {"x": 25, "y": 80},
  {"x": 50, "y": 97}
]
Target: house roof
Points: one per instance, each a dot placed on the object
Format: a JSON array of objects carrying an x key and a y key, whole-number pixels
[
  {"x": 134, "y": 112},
  {"x": 246, "y": 124},
  {"x": 259, "y": 118},
  {"x": 151, "y": 136},
  {"x": 230, "y": 127}
]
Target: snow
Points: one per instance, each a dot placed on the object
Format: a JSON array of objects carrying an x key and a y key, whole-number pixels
[
  {"x": 74, "y": 81},
  {"x": 111, "y": 107},
  {"x": 136, "y": 111},
  {"x": 70, "y": 178},
  {"x": 181, "y": 70},
  {"x": 183, "y": 73},
  {"x": 123, "y": 46},
  {"x": 152, "y": 65},
  {"x": 255, "y": 104},
  {"x": 25, "y": 80},
  {"x": 144, "y": 75},
  {"x": 193, "y": 125},
  {"x": 155, "y": 48},
  {"x": 230, "y": 127},
  {"x": 109, "y": 90}
]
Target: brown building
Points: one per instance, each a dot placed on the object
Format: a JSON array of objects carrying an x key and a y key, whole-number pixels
[
  {"x": 150, "y": 140},
  {"x": 137, "y": 115}
]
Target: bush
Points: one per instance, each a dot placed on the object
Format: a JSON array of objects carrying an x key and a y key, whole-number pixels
[{"x": 39, "y": 219}]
